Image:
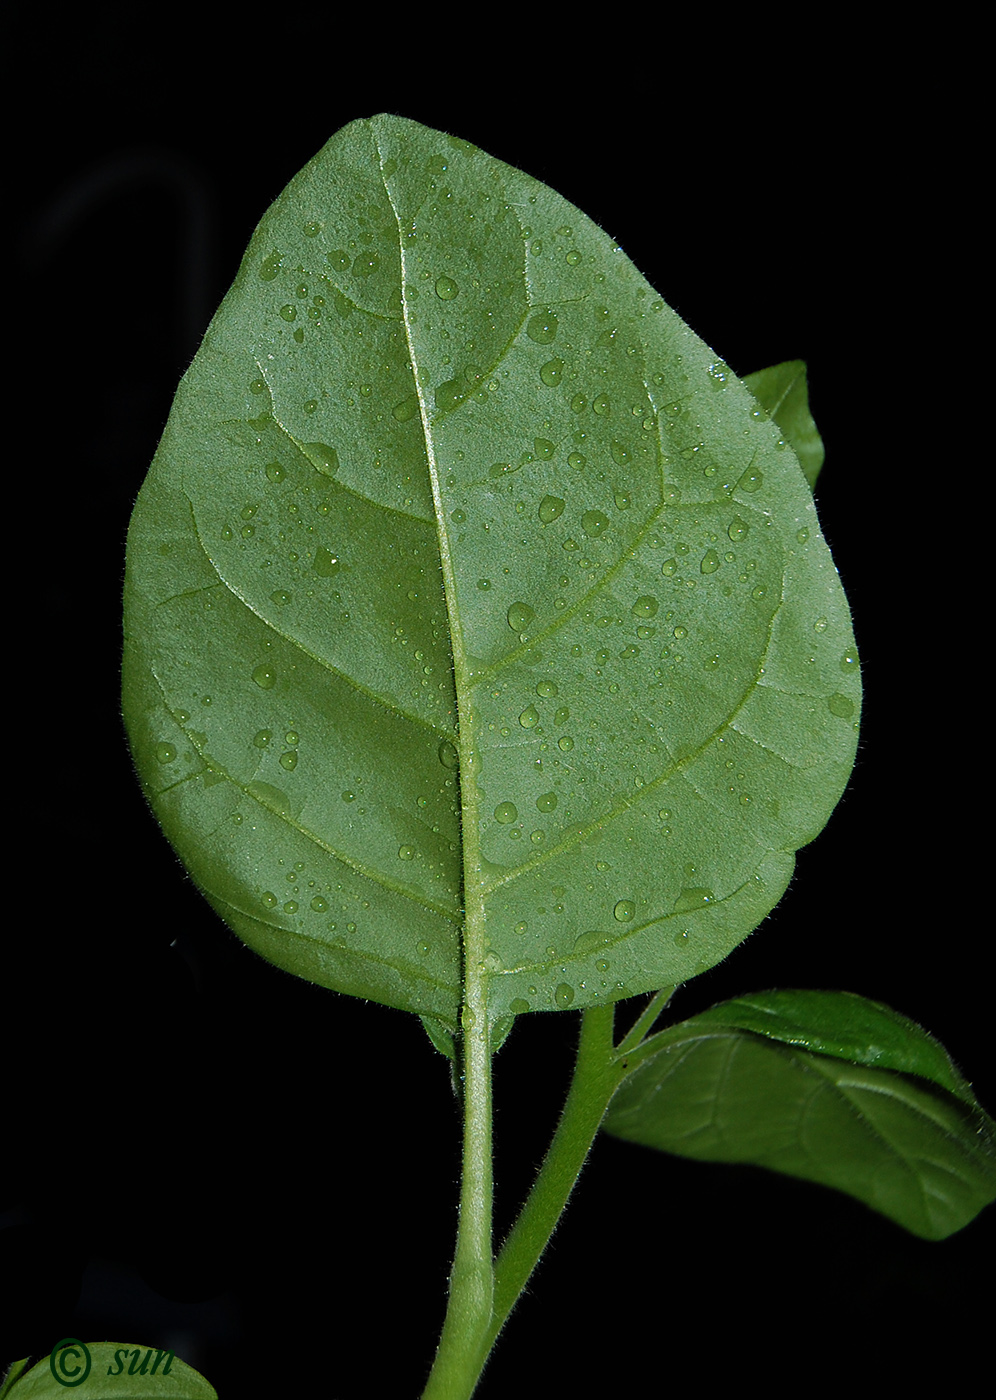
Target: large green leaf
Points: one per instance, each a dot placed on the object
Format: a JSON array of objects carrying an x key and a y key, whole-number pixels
[
  {"x": 782, "y": 391},
  {"x": 826, "y": 1086},
  {"x": 467, "y": 581}
]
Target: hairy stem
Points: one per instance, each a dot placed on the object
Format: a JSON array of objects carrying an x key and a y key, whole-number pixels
[
  {"x": 597, "y": 1075},
  {"x": 457, "y": 1366}
]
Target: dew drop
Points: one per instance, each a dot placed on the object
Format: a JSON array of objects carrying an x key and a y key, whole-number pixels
[
  {"x": 506, "y": 813},
  {"x": 601, "y": 404},
  {"x": 406, "y": 852},
  {"x": 165, "y": 753},
  {"x": 324, "y": 458},
  {"x": 406, "y": 409},
  {"x": 275, "y": 472},
  {"x": 737, "y": 528},
  {"x": 550, "y": 507},
  {"x": 262, "y": 737},
  {"x": 669, "y": 567},
  {"x": 547, "y": 802},
  {"x": 320, "y": 904},
  {"x": 840, "y": 706},
  {"x": 752, "y": 480},
  {"x": 269, "y": 267},
  {"x": 620, "y": 454},
  {"x": 542, "y": 328},
  {"x": 645, "y": 607},
  {"x": 562, "y": 716},
  {"x": 802, "y": 535},
  {"x": 289, "y": 312},
  {"x": 265, "y": 677},
  {"x": 448, "y": 755},
  {"x": 269, "y": 899},
  {"x": 710, "y": 562},
  {"x": 564, "y": 994},
  {"x": 529, "y": 717},
  {"x": 348, "y": 796},
  {"x": 365, "y": 264},
  {"x": 577, "y": 460},
  {"x": 758, "y": 593},
  {"x": 518, "y": 1006},
  {"x": 289, "y": 761},
  {"x": 326, "y": 565},
  {"x": 849, "y": 661},
  {"x": 693, "y": 897},
  {"x": 519, "y": 616},
  {"x": 578, "y": 403},
  {"x": 551, "y": 373},
  {"x": 543, "y": 448},
  {"x": 547, "y": 689},
  {"x": 280, "y": 596},
  {"x": 821, "y": 624},
  {"x": 624, "y": 910},
  {"x": 594, "y": 522},
  {"x": 446, "y": 288},
  {"x": 565, "y": 743}
]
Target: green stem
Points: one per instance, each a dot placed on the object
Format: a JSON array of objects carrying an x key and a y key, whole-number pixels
[
  {"x": 601, "y": 1067},
  {"x": 597, "y": 1075},
  {"x": 456, "y": 1368},
  {"x": 643, "y": 1026}
]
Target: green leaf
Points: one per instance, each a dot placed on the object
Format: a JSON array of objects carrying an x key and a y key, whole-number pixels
[
  {"x": 110, "y": 1373},
  {"x": 466, "y": 585},
  {"x": 846, "y": 1026},
  {"x": 826, "y": 1086},
  {"x": 14, "y": 1370},
  {"x": 783, "y": 393}
]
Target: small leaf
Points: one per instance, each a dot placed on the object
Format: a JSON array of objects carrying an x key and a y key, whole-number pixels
[
  {"x": 889, "y": 1121},
  {"x": 468, "y": 586},
  {"x": 134, "y": 1372},
  {"x": 441, "y": 1035},
  {"x": 783, "y": 393},
  {"x": 14, "y": 1370}
]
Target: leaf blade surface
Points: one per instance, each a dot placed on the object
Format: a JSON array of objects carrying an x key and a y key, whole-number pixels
[
  {"x": 448, "y": 484},
  {"x": 877, "y": 1110}
]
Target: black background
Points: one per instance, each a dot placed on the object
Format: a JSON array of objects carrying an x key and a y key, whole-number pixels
[{"x": 203, "y": 1152}]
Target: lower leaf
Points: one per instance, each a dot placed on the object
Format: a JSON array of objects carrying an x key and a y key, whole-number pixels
[{"x": 901, "y": 1142}]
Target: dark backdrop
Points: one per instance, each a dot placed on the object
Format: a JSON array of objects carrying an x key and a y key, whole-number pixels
[{"x": 203, "y": 1152}]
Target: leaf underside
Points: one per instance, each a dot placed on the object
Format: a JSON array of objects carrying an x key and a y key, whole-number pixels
[
  {"x": 825, "y": 1086},
  {"x": 466, "y": 579}
]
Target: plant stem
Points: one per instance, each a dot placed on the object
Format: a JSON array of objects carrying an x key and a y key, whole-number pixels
[
  {"x": 600, "y": 1068},
  {"x": 597, "y": 1075},
  {"x": 456, "y": 1368}
]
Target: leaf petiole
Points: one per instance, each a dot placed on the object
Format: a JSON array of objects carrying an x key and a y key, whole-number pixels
[{"x": 599, "y": 1070}]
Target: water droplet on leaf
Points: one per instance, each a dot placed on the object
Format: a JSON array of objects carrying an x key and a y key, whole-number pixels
[
  {"x": 519, "y": 616},
  {"x": 542, "y": 328},
  {"x": 551, "y": 373}
]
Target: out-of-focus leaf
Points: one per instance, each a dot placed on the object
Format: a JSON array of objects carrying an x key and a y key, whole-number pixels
[
  {"x": 890, "y": 1121},
  {"x": 783, "y": 393}
]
